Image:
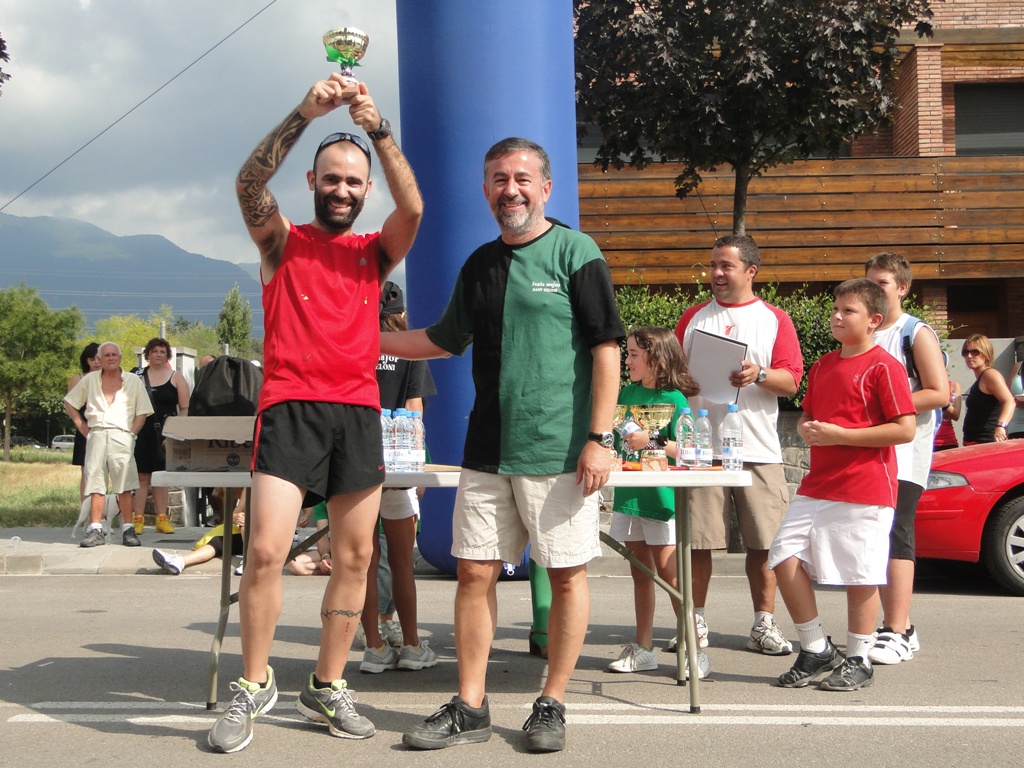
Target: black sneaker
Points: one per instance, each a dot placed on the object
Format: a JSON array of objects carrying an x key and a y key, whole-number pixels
[
  {"x": 130, "y": 538},
  {"x": 545, "y": 728},
  {"x": 454, "y": 723},
  {"x": 809, "y": 665},
  {"x": 851, "y": 675},
  {"x": 93, "y": 538}
]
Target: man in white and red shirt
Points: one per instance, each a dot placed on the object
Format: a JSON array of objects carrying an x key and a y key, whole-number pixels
[{"x": 772, "y": 368}]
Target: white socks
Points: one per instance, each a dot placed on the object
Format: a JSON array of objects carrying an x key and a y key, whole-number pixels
[
  {"x": 812, "y": 636},
  {"x": 859, "y": 645}
]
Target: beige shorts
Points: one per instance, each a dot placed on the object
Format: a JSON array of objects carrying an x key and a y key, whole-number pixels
[
  {"x": 759, "y": 509},
  {"x": 110, "y": 451},
  {"x": 837, "y": 542},
  {"x": 496, "y": 515},
  {"x": 399, "y": 503}
]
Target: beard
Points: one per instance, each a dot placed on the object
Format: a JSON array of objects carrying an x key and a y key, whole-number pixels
[
  {"x": 336, "y": 221},
  {"x": 519, "y": 223}
]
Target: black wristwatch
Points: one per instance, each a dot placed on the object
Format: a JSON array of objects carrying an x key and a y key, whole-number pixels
[
  {"x": 658, "y": 439},
  {"x": 605, "y": 439},
  {"x": 762, "y": 374},
  {"x": 382, "y": 131}
]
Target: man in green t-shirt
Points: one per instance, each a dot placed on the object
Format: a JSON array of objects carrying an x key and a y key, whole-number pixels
[{"x": 538, "y": 307}]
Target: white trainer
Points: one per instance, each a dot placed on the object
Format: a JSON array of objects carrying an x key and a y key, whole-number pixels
[
  {"x": 635, "y": 658},
  {"x": 767, "y": 638}
]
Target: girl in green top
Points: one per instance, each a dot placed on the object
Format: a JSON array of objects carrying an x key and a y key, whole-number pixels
[{"x": 643, "y": 517}]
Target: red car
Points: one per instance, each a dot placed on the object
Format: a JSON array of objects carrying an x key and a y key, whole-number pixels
[{"x": 973, "y": 509}]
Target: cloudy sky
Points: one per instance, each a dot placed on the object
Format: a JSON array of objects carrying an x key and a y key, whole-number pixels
[{"x": 168, "y": 167}]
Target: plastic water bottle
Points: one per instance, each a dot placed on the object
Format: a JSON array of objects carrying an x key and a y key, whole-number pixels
[
  {"x": 402, "y": 430},
  {"x": 732, "y": 439},
  {"x": 705, "y": 452},
  {"x": 389, "y": 447},
  {"x": 419, "y": 442},
  {"x": 686, "y": 439}
]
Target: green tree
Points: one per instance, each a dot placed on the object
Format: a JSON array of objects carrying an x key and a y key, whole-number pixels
[
  {"x": 38, "y": 348},
  {"x": 4, "y": 77},
  {"x": 748, "y": 83},
  {"x": 234, "y": 324}
]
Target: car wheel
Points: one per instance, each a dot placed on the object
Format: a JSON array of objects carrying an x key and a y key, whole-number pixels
[{"x": 1002, "y": 546}]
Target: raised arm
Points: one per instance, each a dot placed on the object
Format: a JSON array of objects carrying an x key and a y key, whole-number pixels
[
  {"x": 267, "y": 226},
  {"x": 399, "y": 230}
]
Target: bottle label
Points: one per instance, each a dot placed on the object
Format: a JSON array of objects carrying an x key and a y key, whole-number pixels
[{"x": 688, "y": 454}]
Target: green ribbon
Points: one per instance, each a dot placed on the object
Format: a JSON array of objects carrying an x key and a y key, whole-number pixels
[{"x": 333, "y": 54}]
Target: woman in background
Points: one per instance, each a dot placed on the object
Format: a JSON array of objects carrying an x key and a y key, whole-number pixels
[
  {"x": 989, "y": 402},
  {"x": 169, "y": 394}
]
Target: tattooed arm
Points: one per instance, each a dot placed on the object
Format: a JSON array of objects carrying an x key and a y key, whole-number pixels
[{"x": 267, "y": 226}]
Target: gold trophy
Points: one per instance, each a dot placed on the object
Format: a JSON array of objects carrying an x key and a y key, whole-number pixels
[
  {"x": 655, "y": 416},
  {"x": 346, "y": 45}
]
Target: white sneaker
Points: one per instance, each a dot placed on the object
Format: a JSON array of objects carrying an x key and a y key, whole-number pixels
[
  {"x": 240, "y": 568},
  {"x": 703, "y": 666},
  {"x": 170, "y": 562},
  {"x": 413, "y": 658},
  {"x": 635, "y": 658},
  {"x": 391, "y": 631},
  {"x": 890, "y": 647},
  {"x": 914, "y": 639},
  {"x": 767, "y": 638},
  {"x": 376, "y": 660},
  {"x": 702, "y": 635}
]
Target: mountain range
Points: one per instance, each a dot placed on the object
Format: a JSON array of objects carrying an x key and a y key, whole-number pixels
[{"x": 72, "y": 263}]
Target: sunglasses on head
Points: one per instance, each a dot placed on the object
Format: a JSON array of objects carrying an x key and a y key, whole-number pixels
[{"x": 334, "y": 138}]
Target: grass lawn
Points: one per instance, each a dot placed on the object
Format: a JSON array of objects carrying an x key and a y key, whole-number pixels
[{"x": 39, "y": 488}]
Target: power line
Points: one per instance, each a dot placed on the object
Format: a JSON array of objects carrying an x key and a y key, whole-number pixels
[{"x": 154, "y": 93}]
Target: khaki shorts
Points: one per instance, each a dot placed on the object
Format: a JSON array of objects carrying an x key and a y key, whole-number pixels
[
  {"x": 496, "y": 515},
  {"x": 759, "y": 509},
  {"x": 110, "y": 451}
]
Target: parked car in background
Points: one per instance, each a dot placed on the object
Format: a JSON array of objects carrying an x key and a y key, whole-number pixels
[
  {"x": 63, "y": 443},
  {"x": 17, "y": 441},
  {"x": 973, "y": 510}
]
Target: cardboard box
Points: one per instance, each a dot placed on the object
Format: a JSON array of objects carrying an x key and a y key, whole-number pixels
[{"x": 209, "y": 443}]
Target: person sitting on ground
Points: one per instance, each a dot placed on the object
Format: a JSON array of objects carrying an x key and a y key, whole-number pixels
[
  {"x": 316, "y": 561},
  {"x": 836, "y": 530},
  {"x": 210, "y": 546}
]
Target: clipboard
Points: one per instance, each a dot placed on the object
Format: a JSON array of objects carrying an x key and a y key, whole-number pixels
[{"x": 716, "y": 357}]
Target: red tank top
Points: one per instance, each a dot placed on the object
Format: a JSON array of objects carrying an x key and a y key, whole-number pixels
[{"x": 322, "y": 333}]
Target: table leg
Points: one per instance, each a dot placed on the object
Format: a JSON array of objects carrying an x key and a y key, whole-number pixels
[
  {"x": 225, "y": 598},
  {"x": 685, "y": 626}
]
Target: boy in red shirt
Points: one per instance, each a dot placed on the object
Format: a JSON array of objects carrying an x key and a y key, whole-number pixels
[{"x": 836, "y": 531}]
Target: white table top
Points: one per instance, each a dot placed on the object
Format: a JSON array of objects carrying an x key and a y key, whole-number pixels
[{"x": 443, "y": 476}]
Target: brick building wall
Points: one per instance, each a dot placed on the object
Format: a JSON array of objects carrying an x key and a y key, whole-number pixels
[{"x": 975, "y": 14}]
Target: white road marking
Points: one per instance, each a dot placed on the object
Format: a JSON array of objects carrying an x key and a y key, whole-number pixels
[{"x": 621, "y": 713}]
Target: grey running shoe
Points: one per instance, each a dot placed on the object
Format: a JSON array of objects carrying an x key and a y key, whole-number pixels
[
  {"x": 701, "y": 625},
  {"x": 767, "y": 638},
  {"x": 335, "y": 707},
  {"x": 454, "y": 723},
  {"x": 391, "y": 631},
  {"x": 809, "y": 665},
  {"x": 413, "y": 658},
  {"x": 851, "y": 675},
  {"x": 635, "y": 658},
  {"x": 169, "y": 562},
  {"x": 130, "y": 538},
  {"x": 376, "y": 660},
  {"x": 233, "y": 730},
  {"x": 703, "y": 666},
  {"x": 93, "y": 538},
  {"x": 545, "y": 728}
]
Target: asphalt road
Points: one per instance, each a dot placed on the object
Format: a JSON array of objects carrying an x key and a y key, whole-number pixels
[{"x": 110, "y": 670}]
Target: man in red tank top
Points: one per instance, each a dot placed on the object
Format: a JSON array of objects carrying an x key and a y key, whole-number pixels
[{"x": 318, "y": 429}]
